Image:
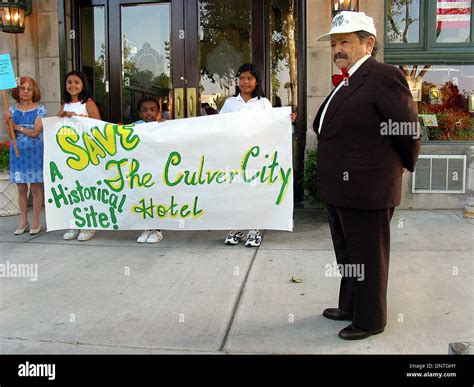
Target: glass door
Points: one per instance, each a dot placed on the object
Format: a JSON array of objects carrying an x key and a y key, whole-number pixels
[
  {"x": 145, "y": 56},
  {"x": 224, "y": 45},
  {"x": 183, "y": 53},
  {"x": 93, "y": 54},
  {"x": 132, "y": 49}
]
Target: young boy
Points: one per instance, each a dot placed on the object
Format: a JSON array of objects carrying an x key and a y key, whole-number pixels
[{"x": 149, "y": 111}]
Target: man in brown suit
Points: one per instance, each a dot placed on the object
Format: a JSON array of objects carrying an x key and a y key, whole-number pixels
[{"x": 361, "y": 156}]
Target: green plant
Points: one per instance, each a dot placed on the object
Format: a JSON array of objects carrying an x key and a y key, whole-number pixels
[
  {"x": 310, "y": 176},
  {"x": 4, "y": 155}
]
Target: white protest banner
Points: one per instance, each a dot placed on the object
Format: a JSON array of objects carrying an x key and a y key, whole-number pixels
[{"x": 227, "y": 171}]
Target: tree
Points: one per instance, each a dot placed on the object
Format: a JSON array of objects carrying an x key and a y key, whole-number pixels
[
  {"x": 98, "y": 82},
  {"x": 225, "y": 43},
  {"x": 292, "y": 52},
  {"x": 395, "y": 10},
  {"x": 284, "y": 47}
]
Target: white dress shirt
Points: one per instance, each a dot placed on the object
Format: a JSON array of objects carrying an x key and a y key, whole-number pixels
[
  {"x": 237, "y": 104},
  {"x": 351, "y": 71}
]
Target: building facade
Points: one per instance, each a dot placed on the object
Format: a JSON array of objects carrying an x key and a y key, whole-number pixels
[{"x": 185, "y": 53}]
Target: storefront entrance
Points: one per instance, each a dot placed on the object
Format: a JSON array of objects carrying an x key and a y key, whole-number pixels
[{"x": 185, "y": 54}]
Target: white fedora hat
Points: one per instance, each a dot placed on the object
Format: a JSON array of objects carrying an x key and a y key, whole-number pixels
[{"x": 348, "y": 21}]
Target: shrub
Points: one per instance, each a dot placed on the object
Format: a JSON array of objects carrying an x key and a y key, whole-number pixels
[
  {"x": 309, "y": 179},
  {"x": 4, "y": 155}
]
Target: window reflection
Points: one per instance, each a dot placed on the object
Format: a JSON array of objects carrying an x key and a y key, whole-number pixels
[
  {"x": 225, "y": 30},
  {"x": 445, "y": 95},
  {"x": 283, "y": 53},
  {"x": 453, "y": 21},
  {"x": 93, "y": 54},
  {"x": 403, "y": 21},
  {"x": 146, "y": 56}
]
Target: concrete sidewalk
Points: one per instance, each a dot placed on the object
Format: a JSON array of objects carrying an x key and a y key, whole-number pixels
[{"x": 192, "y": 294}]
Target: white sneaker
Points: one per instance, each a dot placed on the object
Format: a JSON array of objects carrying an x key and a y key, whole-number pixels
[
  {"x": 71, "y": 234},
  {"x": 155, "y": 236},
  {"x": 233, "y": 237},
  {"x": 85, "y": 235},
  {"x": 254, "y": 238},
  {"x": 143, "y": 236}
]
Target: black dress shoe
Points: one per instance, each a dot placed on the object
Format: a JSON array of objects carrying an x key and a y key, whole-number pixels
[
  {"x": 353, "y": 333},
  {"x": 337, "y": 314}
]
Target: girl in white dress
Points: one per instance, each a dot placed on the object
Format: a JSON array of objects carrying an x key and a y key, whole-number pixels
[
  {"x": 248, "y": 96},
  {"x": 78, "y": 100}
]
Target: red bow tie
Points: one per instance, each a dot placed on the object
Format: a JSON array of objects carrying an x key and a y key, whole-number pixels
[{"x": 338, "y": 78}]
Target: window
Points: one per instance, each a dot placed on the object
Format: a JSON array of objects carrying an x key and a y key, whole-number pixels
[
  {"x": 283, "y": 53},
  {"x": 453, "y": 21},
  {"x": 432, "y": 41},
  {"x": 445, "y": 95},
  {"x": 225, "y": 44},
  {"x": 403, "y": 22},
  {"x": 429, "y": 31}
]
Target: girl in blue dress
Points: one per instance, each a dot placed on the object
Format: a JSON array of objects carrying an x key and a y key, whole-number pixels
[{"x": 27, "y": 168}]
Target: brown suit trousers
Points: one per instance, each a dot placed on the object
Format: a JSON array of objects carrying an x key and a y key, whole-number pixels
[{"x": 362, "y": 237}]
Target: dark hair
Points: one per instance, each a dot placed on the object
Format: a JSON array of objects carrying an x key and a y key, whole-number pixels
[
  {"x": 146, "y": 99},
  {"x": 364, "y": 35},
  {"x": 36, "y": 91},
  {"x": 85, "y": 94},
  {"x": 253, "y": 69}
]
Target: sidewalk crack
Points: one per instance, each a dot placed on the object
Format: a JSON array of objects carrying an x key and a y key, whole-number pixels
[{"x": 238, "y": 300}]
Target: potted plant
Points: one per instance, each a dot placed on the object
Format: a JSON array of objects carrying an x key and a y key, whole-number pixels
[{"x": 8, "y": 190}]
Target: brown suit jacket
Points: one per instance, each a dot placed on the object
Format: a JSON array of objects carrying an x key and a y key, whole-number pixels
[{"x": 358, "y": 167}]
